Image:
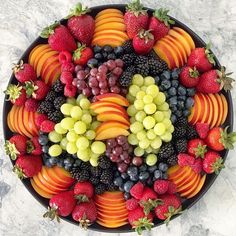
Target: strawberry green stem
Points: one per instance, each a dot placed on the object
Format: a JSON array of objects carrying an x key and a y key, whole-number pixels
[
  {"x": 47, "y": 31},
  {"x": 13, "y": 92},
  {"x": 52, "y": 213},
  {"x": 161, "y": 15},
  {"x": 11, "y": 150},
  {"x": 78, "y": 10},
  {"x": 227, "y": 139}
]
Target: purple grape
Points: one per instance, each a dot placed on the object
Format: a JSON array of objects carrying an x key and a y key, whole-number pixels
[
  {"x": 81, "y": 75},
  {"x": 94, "y": 71},
  {"x": 117, "y": 150},
  {"x": 124, "y": 155},
  {"x": 119, "y": 63},
  {"x": 117, "y": 71},
  {"x": 122, "y": 167},
  {"x": 121, "y": 139},
  {"x": 115, "y": 89},
  {"x": 78, "y": 68},
  {"x": 114, "y": 158},
  {"x": 87, "y": 92},
  {"x": 81, "y": 84},
  {"x": 103, "y": 84},
  {"x": 93, "y": 82},
  {"x": 100, "y": 76},
  {"x": 104, "y": 91},
  {"x": 112, "y": 81},
  {"x": 111, "y": 64},
  {"x": 103, "y": 68},
  {"x": 111, "y": 143}
]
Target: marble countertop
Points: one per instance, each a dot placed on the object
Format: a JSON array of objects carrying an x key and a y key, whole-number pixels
[{"x": 22, "y": 20}]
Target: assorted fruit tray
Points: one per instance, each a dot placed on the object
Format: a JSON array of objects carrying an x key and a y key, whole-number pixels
[{"x": 118, "y": 118}]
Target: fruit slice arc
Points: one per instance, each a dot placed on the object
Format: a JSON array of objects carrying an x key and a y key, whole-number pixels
[
  {"x": 215, "y": 109},
  {"x": 111, "y": 225},
  {"x": 113, "y": 212},
  {"x": 114, "y": 115},
  {"x": 111, "y": 25},
  {"x": 182, "y": 170},
  {"x": 109, "y": 10},
  {"x": 188, "y": 185},
  {"x": 210, "y": 109},
  {"x": 32, "y": 127},
  {"x": 198, "y": 110},
  {"x": 51, "y": 73},
  {"x": 204, "y": 108},
  {"x": 107, "y": 33},
  {"x": 9, "y": 122},
  {"x": 220, "y": 111},
  {"x": 115, "y": 98},
  {"x": 47, "y": 63},
  {"x": 107, "y": 203},
  {"x": 39, "y": 190},
  {"x": 97, "y": 104},
  {"x": 225, "y": 108},
  {"x": 101, "y": 109},
  {"x": 187, "y": 179},
  {"x": 199, "y": 187},
  {"x": 179, "y": 179},
  {"x": 108, "y": 15},
  {"x": 111, "y": 133},
  {"x": 190, "y": 190},
  {"x": 63, "y": 173},
  {"x": 173, "y": 170},
  {"x": 16, "y": 120},
  {"x": 11, "y": 119},
  {"x": 23, "y": 121},
  {"x": 108, "y": 20},
  {"x": 113, "y": 217},
  {"x": 110, "y": 124},
  {"x": 35, "y": 52},
  {"x": 48, "y": 68},
  {"x": 112, "y": 40},
  {"x": 187, "y": 36}
]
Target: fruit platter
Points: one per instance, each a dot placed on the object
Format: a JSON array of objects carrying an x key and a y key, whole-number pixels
[{"x": 118, "y": 118}]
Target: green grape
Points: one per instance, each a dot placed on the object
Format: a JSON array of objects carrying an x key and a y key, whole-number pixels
[
  {"x": 130, "y": 98},
  {"x": 152, "y": 90},
  {"x": 72, "y": 136},
  {"x": 82, "y": 143},
  {"x": 151, "y": 159},
  {"x": 132, "y": 139},
  {"x": 133, "y": 89},
  {"x": 140, "y": 115},
  {"x": 67, "y": 123},
  {"x": 80, "y": 127},
  {"x": 141, "y": 135},
  {"x": 86, "y": 118},
  {"x": 71, "y": 101},
  {"x": 94, "y": 155},
  {"x": 167, "y": 114},
  {"x": 171, "y": 129},
  {"x": 143, "y": 88},
  {"x": 149, "y": 81},
  {"x": 167, "y": 123},
  {"x": 90, "y": 134},
  {"x": 156, "y": 143},
  {"x": 166, "y": 137},
  {"x": 131, "y": 110},
  {"x": 54, "y": 137},
  {"x": 137, "y": 80},
  {"x": 159, "y": 129},
  {"x": 63, "y": 143},
  {"x": 138, "y": 104},
  {"x": 95, "y": 124},
  {"x": 93, "y": 161},
  {"x": 71, "y": 148},
  {"x": 59, "y": 129},
  {"x": 160, "y": 98},
  {"x": 159, "y": 116},
  {"x": 150, "y": 108},
  {"x": 163, "y": 107},
  {"x": 151, "y": 134},
  {"x": 147, "y": 99},
  {"x": 144, "y": 143},
  {"x": 66, "y": 108},
  {"x": 84, "y": 103},
  {"x": 76, "y": 112},
  {"x": 55, "y": 150},
  {"x": 149, "y": 122},
  {"x": 79, "y": 98},
  {"x": 140, "y": 94},
  {"x": 98, "y": 147},
  {"x": 84, "y": 155},
  {"x": 149, "y": 149},
  {"x": 132, "y": 120},
  {"x": 138, "y": 151},
  {"x": 136, "y": 127}
]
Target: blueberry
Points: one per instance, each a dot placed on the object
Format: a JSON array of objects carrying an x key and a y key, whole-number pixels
[
  {"x": 45, "y": 148},
  {"x": 118, "y": 181},
  {"x": 175, "y": 83},
  {"x": 75, "y": 156},
  {"x": 128, "y": 185},
  {"x": 134, "y": 178},
  {"x": 97, "y": 49},
  {"x": 151, "y": 169},
  {"x": 121, "y": 188},
  {"x": 163, "y": 167},
  {"x": 173, "y": 118},
  {"x": 186, "y": 113},
  {"x": 175, "y": 73},
  {"x": 107, "y": 48},
  {"x": 191, "y": 92},
  {"x": 173, "y": 108},
  {"x": 178, "y": 113},
  {"x": 98, "y": 56},
  {"x": 127, "y": 196},
  {"x": 144, "y": 175},
  {"x": 111, "y": 56},
  {"x": 157, "y": 174},
  {"x": 165, "y": 75},
  {"x": 105, "y": 54},
  {"x": 172, "y": 91},
  {"x": 43, "y": 139},
  {"x": 48, "y": 164},
  {"x": 119, "y": 51},
  {"x": 68, "y": 161},
  {"x": 166, "y": 84},
  {"x": 92, "y": 63},
  {"x": 60, "y": 163},
  {"x": 181, "y": 90},
  {"x": 117, "y": 174},
  {"x": 181, "y": 98},
  {"x": 67, "y": 167},
  {"x": 143, "y": 167},
  {"x": 166, "y": 94},
  {"x": 180, "y": 105},
  {"x": 45, "y": 157},
  {"x": 53, "y": 160},
  {"x": 157, "y": 80},
  {"x": 77, "y": 162},
  {"x": 164, "y": 176},
  {"x": 124, "y": 176},
  {"x": 173, "y": 101},
  {"x": 132, "y": 170},
  {"x": 189, "y": 102}
]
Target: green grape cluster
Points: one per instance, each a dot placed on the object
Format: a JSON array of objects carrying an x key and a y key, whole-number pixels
[
  {"x": 75, "y": 133},
  {"x": 150, "y": 116}
]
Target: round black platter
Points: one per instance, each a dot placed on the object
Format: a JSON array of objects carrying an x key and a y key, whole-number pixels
[{"x": 186, "y": 203}]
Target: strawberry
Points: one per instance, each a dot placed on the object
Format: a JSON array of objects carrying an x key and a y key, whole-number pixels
[
  {"x": 139, "y": 221},
  {"x": 185, "y": 159},
  {"x": 81, "y": 25},
  {"x": 85, "y": 213},
  {"x": 16, "y": 94},
  {"x": 66, "y": 77},
  {"x": 202, "y": 59},
  {"x": 137, "y": 190},
  {"x": 27, "y": 166},
  {"x": 24, "y": 72},
  {"x": 197, "y": 165},
  {"x": 68, "y": 66},
  {"x": 15, "y": 146},
  {"x": 148, "y": 193},
  {"x": 84, "y": 191},
  {"x": 31, "y": 104},
  {"x": 59, "y": 37},
  {"x": 143, "y": 42},
  {"x": 39, "y": 119},
  {"x": 70, "y": 90},
  {"x": 213, "y": 81},
  {"x": 34, "y": 147},
  {"x": 172, "y": 188},
  {"x": 212, "y": 162},
  {"x": 219, "y": 139},
  {"x": 61, "y": 204},
  {"x": 47, "y": 126},
  {"x": 171, "y": 206},
  {"x": 135, "y": 18},
  {"x": 189, "y": 77},
  {"x": 37, "y": 89},
  {"x": 202, "y": 129},
  {"x": 65, "y": 56},
  {"x": 196, "y": 147},
  {"x": 161, "y": 186},
  {"x": 131, "y": 204},
  {"x": 159, "y": 24},
  {"x": 82, "y": 54}
]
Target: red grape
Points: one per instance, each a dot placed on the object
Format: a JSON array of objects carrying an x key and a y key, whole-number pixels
[
  {"x": 117, "y": 150},
  {"x": 111, "y": 143},
  {"x": 122, "y": 167},
  {"x": 93, "y": 71},
  {"x": 124, "y": 155},
  {"x": 78, "y": 68},
  {"x": 119, "y": 63},
  {"x": 103, "y": 84},
  {"x": 114, "y": 158},
  {"x": 112, "y": 81},
  {"x": 93, "y": 82},
  {"x": 74, "y": 82},
  {"x": 100, "y": 76},
  {"x": 121, "y": 139},
  {"x": 81, "y": 74},
  {"x": 103, "y": 69},
  {"x": 111, "y": 64},
  {"x": 117, "y": 71},
  {"x": 104, "y": 91},
  {"x": 81, "y": 84},
  {"x": 115, "y": 89},
  {"x": 95, "y": 91},
  {"x": 87, "y": 92},
  {"x": 137, "y": 161}
]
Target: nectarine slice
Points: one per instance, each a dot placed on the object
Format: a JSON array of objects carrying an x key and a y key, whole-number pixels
[
  {"x": 199, "y": 187},
  {"x": 111, "y": 25},
  {"x": 107, "y": 33},
  {"x": 192, "y": 114},
  {"x": 113, "y": 97},
  {"x": 110, "y": 124},
  {"x": 187, "y": 179},
  {"x": 210, "y": 109},
  {"x": 191, "y": 189},
  {"x": 181, "y": 178},
  {"x": 112, "y": 195},
  {"x": 41, "y": 192},
  {"x": 111, "y": 220},
  {"x": 55, "y": 76},
  {"x": 97, "y": 104},
  {"x": 225, "y": 108},
  {"x": 102, "y": 109},
  {"x": 105, "y": 202},
  {"x": 108, "y": 15},
  {"x": 63, "y": 174},
  {"x": 112, "y": 40},
  {"x": 30, "y": 61},
  {"x": 109, "y": 10},
  {"x": 9, "y": 122},
  {"x": 15, "y": 119},
  {"x": 114, "y": 216},
  {"x": 109, "y": 201},
  {"x": 203, "y": 108},
  {"x": 36, "y": 51},
  {"x": 108, "y": 20},
  {"x": 215, "y": 109},
  {"x": 23, "y": 122},
  {"x": 183, "y": 170},
  {"x": 198, "y": 110},
  {"x": 51, "y": 73},
  {"x": 113, "y": 211},
  {"x": 220, "y": 110},
  {"x": 187, "y": 36},
  {"x": 113, "y": 116},
  {"x": 48, "y": 62},
  {"x": 102, "y": 207},
  {"x": 111, "y": 133},
  {"x": 39, "y": 59},
  {"x": 47, "y": 68},
  {"x": 31, "y": 123},
  {"x": 12, "y": 116},
  {"x": 111, "y": 225},
  {"x": 188, "y": 185}
]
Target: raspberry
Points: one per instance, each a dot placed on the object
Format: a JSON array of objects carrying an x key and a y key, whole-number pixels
[
  {"x": 172, "y": 188},
  {"x": 66, "y": 77},
  {"x": 47, "y": 126},
  {"x": 70, "y": 90},
  {"x": 65, "y": 57},
  {"x": 161, "y": 186},
  {"x": 131, "y": 204},
  {"x": 185, "y": 159},
  {"x": 39, "y": 119},
  {"x": 197, "y": 166},
  {"x": 137, "y": 190},
  {"x": 31, "y": 104},
  {"x": 68, "y": 66},
  {"x": 202, "y": 129}
]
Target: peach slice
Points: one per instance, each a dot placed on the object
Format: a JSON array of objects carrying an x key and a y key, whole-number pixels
[
  {"x": 225, "y": 108},
  {"x": 51, "y": 73},
  {"x": 112, "y": 40},
  {"x": 113, "y": 97},
  {"x": 173, "y": 170},
  {"x": 111, "y": 25},
  {"x": 204, "y": 108},
  {"x": 30, "y": 61},
  {"x": 62, "y": 173},
  {"x": 108, "y": 20},
  {"x": 97, "y": 104},
  {"x": 119, "y": 33},
  {"x": 112, "y": 220},
  {"x": 109, "y": 10},
  {"x": 109, "y": 204},
  {"x": 113, "y": 216},
  {"x": 15, "y": 117},
  {"x": 11, "y": 117},
  {"x": 39, "y": 58},
  {"x": 221, "y": 109},
  {"x": 186, "y": 35},
  {"x": 48, "y": 62},
  {"x": 23, "y": 122},
  {"x": 198, "y": 112},
  {"x": 41, "y": 192},
  {"x": 110, "y": 124},
  {"x": 112, "y": 211},
  {"x": 192, "y": 114},
  {"x": 199, "y": 187},
  {"x": 49, "y": 68},
  {"x": 111, "y": 133},
  {"x": 192, "y": 188},
  {"x": 31, "y": 123},
  {"x": 178, "y": 174},
  {"x": 9, "y": 122},
  {"x": 104, "y": 208},
  {"x": 55, "y": 76},
  {"x": 36, "y": 51},
  {"x": 109, "y": 15},
  {"x": 111, "y": 225},
  {"x": 102, "y": 109},
  {"x": 187, "y": 179},
  {"x": 188, "y": 185},
  {"x": 215, "y": 109},
  {"x": 210, "y": 110},
  {"x": 181, "y": 178}
]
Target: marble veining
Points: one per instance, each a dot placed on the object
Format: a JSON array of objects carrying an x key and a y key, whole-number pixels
[{"x": 21, "y": 22}]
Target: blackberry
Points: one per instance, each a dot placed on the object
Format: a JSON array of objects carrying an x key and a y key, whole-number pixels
[
  {"x": 165, "y": 151},
  {"x": 104, "y": 162},
  {"x": 182, "y": 121},
  {"x": 172, "y": 160},
  {"x": 155, "y": 66},
  {"x": 191, "y": 132},
  {"x": 94, "y": 180},
  {"x": 126, "y": 79},
  {"x": 106, "y": 177},
  {"x": 85, "y": 166},
  {"x": 100, "y": 188},
  {"x": 128, "y": 59},
  {"x": 55, "y": 116},
  {"x": 141, "y": 60},
  {"x": 164, "y": 65},
  {"x": 181, "y": 145},
  {"x": 152, "y": 54},
  {"x": 51, "y": 96},
  {"x": 45, "y": 107},
  {"x": 58, "y": 86},
  {"x": 131, "y": 69},
  {"x": 82, "y": 175},
  {"x": 142, "y": 69},
  {"x": 95, "y": 171},
  {"x": 111, "y": 186},
  {"x": 58, "y": 102},
  {"x": 128, "y": 46},
  {"x": 179, "y": 132}
]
